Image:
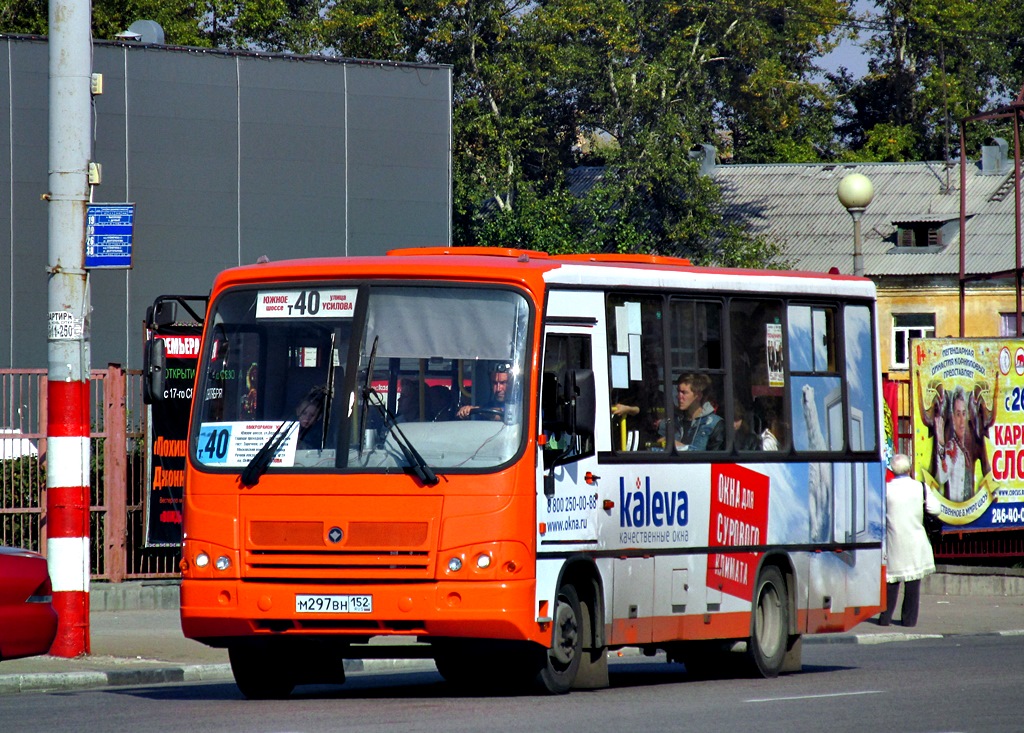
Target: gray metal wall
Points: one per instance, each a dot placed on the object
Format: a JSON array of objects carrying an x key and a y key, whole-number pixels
[{"x": 227, "y": 157}]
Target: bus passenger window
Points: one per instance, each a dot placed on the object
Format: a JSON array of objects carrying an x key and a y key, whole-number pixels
[
  {"x": 636, "y": 368},
  {"x": 758, "y": 374}
]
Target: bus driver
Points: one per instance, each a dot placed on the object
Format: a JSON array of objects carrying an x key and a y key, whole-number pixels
[{"x": 495, "y": 406}]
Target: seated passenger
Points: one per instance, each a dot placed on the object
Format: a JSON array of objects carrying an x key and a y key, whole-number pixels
[
  {"x": 774, "y": 429},
  {"x": 746, "y": 438},
  {"x": 699, "y": 428},
  {"x": 308, "y": 414}
]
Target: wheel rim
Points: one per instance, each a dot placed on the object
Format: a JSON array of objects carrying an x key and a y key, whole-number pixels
[
  {"x": 768, "y": 622},
  {"x": 567, "y": 626}
]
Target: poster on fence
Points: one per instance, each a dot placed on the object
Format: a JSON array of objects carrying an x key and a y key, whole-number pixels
[
  {"x": 168, "y": 436},
  {"x": 969, "y": 429}
]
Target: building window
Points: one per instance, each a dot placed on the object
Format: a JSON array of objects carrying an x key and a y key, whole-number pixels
[
  {"x": 1007, "y": 324},
  {"x": 919, "y": 235},
  {"x": 907, "y": 326}
]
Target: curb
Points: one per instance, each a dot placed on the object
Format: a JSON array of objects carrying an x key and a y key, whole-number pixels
[
  {"x": 13, "y": 684},
  {"x": 62, "y": 681}
]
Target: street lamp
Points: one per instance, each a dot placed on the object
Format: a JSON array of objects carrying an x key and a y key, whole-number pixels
[{"x": 855, "y": 193}]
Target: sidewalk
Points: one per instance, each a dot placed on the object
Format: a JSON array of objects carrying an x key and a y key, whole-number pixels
[{"x": 136, "y": 637}]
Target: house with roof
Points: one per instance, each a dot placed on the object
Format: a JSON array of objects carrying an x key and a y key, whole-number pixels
[{"x": 912, "y": 239}]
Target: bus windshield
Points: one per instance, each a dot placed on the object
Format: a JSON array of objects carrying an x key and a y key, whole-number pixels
[{"x": 377, "y": 378}]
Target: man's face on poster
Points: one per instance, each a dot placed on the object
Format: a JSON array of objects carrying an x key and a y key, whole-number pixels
[{"x": 959, "y": 419}]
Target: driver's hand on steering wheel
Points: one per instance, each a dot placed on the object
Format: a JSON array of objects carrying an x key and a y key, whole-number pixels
[{"x": 463, "y": 412}]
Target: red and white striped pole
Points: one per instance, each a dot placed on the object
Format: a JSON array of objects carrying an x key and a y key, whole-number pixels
[
  {"x": 67, "y": 513},
  {"x": 67, "y": 430}
]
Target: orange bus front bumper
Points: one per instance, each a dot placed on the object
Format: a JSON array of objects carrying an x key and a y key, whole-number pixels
[{"x": 214, "y": 611}]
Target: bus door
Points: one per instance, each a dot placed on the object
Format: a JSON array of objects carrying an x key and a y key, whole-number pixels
[{"x": 568, "y": 502}]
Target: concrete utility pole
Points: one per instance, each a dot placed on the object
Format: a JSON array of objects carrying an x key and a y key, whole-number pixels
[{"x": 67, "y": 414}]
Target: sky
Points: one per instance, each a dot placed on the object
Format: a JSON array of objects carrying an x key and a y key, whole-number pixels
[{"x": 847, "y": 54}]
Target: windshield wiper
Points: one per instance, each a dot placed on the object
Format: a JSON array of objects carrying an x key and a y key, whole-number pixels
[
  {"x": 329, "y": 397},
  {"x": 366, "y": 394},
  {"x": 416, "y": 461},
  {"x": 260, "y": 462}
]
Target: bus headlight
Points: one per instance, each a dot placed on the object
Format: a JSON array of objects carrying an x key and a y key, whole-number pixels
[
  {"x": 483, "y": 561},
  {"x": 454, "y": 564},
  {"x": 202, "y": 560},
  {"x": 223, "y": 562}
]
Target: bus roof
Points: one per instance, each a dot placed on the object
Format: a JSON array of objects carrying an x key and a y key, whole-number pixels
[{"x": 537, "y": 270}]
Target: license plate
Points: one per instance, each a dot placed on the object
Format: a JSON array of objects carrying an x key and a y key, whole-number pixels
[{"x": 321, "y": 603}]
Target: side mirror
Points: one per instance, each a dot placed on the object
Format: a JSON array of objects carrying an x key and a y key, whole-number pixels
[
  {"x": 583, "y": 396},
  {"x": 154, "y": 371},
  {"x": 161, "y": 313}
]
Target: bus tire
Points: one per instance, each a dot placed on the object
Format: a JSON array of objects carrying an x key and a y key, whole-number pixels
[
  {"x": 769, "y": 625},
  {"x": 562, "y": 660},
  {"x": 593, "y": 670},
  {"x": 260, "y": 672}
]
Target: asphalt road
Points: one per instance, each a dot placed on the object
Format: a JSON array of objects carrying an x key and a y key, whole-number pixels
[{"x": 965, "y": 683}]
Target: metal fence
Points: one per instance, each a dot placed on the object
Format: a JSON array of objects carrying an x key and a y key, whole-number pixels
[{"x": 117, "y": 467}]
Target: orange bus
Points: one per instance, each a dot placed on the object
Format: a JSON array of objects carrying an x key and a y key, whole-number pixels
[{"x": 515, "y": 463}]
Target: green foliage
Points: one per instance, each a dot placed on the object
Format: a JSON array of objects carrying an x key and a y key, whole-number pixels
[
  {"x": 933, "y": 63},
  {"x": 21, "y": 481},
  {"x": 24, "y": 16},
  {"x": 542, "y": 87}
]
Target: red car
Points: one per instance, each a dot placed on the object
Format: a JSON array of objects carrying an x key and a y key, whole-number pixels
[{"x": 28, "y": 622}]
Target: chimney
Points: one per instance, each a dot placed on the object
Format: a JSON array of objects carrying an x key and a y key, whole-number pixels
[
  {"x": 705, "y": 155},
  {"x": 994, "y": 158}
]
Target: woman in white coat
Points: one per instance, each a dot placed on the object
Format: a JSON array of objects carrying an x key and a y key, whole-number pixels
[{"x": 908, "y": 552}]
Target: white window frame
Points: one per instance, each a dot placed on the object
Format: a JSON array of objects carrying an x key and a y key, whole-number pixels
[
  {"x": 903, "y": 334},
  {"x": 1008, "y": 324}
]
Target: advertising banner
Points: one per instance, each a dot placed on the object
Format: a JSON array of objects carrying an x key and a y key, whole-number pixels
[
  {"x": 969, "y": 429},
  {"x": 738, "y": 517},
  {"x": 168, "y": 423}
]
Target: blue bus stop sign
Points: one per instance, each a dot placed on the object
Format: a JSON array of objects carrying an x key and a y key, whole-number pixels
[{"x": 108, "y": 235}]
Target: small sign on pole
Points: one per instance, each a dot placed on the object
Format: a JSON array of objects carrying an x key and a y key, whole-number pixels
[{"x": 108, "y": 235}]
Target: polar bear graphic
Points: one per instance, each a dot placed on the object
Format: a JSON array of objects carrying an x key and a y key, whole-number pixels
[{"x": 819, "y": 475}]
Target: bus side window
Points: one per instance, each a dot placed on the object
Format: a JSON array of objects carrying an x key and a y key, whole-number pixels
[
  {"x": 758, "y": 375},
  {"x": 637, "y": 370}
]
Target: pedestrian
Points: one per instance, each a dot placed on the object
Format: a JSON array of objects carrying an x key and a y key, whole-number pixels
[{"x": 908, "y": 552}]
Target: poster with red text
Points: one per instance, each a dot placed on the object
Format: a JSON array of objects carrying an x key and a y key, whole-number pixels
[
  {"x": 738, "y": 518},
  {"x": 969, "y": 429}
]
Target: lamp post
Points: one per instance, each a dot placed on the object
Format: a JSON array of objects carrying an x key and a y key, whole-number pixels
[{"x": 855, "y": 193}]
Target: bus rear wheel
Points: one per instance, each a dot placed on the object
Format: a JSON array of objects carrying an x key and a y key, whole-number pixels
[
  {"x": 769, "y": 627},
  {"x": 261, "y": 671}
]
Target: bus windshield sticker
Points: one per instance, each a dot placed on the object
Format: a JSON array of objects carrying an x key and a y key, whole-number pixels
[
  {"x": 233, "y": 444},
  {"x": 306, "y": 303}
]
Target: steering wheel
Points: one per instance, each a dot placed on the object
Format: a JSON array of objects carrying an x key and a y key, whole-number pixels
[{"x": 487, "y": 412}]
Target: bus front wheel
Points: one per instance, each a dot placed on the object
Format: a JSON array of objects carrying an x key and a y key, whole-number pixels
[
  {"x": 769, "y": 627},
  {"x": 562, "y": 660}
]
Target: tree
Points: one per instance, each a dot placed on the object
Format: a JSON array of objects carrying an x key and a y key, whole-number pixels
[
  {"x": 771, "y": 95},
  {"x": 633, "y": 75},
  {"x": 933, "y": 63},
  {"x": 540, "y": 87}
]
